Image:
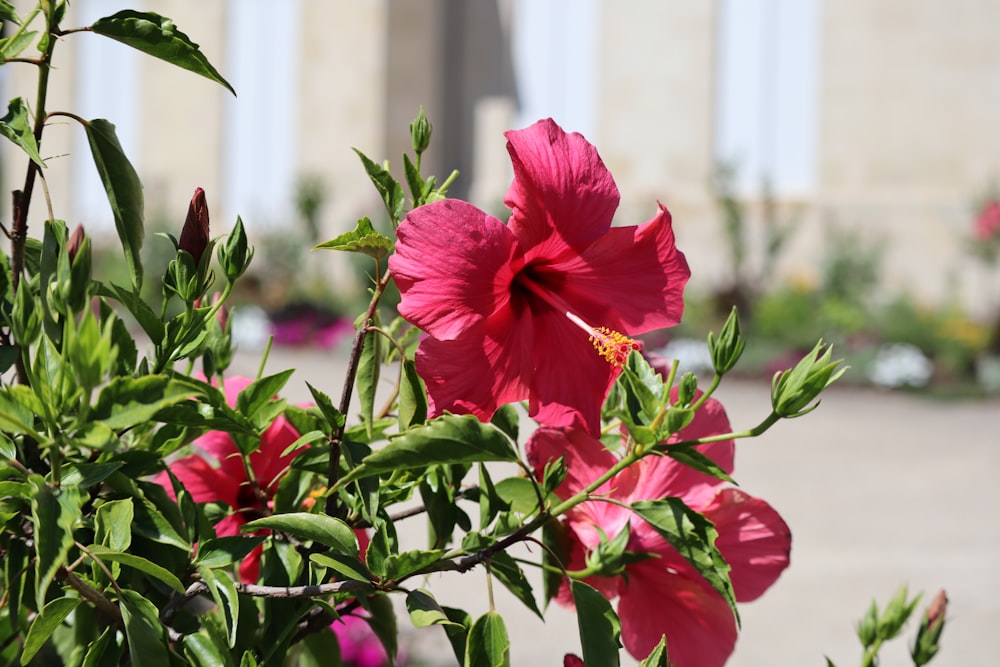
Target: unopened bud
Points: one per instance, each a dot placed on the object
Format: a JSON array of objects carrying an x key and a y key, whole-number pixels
[
  {"x": 235, "y": 254},
  {"x": 195, "y": 234},
  {"x": 793, "y": 391},
  {"x": 74, "y": 243},
  {"x": 420, "y": 132},
  {"x": 928, "y": 641},
  {"x": 937, "y": 608},
  {"x": 728, "y": 347}
]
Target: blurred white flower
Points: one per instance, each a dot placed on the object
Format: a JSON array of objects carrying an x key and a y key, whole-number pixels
[
  {"x": 900, "y": 365},
  {"x": 691, "y": 355}
]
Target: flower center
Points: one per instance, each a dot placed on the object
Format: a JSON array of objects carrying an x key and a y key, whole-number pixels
[{"x": 611, "y": 345}]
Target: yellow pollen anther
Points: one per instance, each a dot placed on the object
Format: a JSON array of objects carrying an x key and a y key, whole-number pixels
[{"x": 614, "y": 347}]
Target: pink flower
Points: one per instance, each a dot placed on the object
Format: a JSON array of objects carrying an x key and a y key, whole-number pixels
[
  {"x": 227, "y": 482},
  {"x": 517, "y": 311},
  {"x": 988, "y": 221},
  {"x": 359, "y": 647},
  {"x": 665, "y": 594}
]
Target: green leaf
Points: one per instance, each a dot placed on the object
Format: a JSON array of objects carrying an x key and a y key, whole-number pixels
[
  {"x": 458, "y": 632},
  {"x": 658, "y": 657},
  {"x": 519, "y": 493},
  {"x": 224, "y": 551},
  {"x": 325, "y": 405},
  {"x": 692, "y": 458},
  {"x": 18, "y": 407},
  {"x": 398, "y": 566},
  {"x": 447, "y": 439},
  {"x": 260, "y": 393},
  {"x": 383, "y": 623},
  {"x": 369, "y": 370},
  {"x": 363, "y": 239},
  {"x": 50, "y": 618},
  {"x": 88, "y": 474},
  {"x": 510, "y": 575},
  {"x": 387, "y": 186},
  {"x": 147, "y": 644},
  {"x": 316, "y": 527},
  {"x": 600, "y": 629},
  {"x": 138, "y": 563},
  {"x": 11, "y": 47},
  {"x": 124, "y": 191},
  {"x": 319, "y": 649},
  {"x": 140, "y": 310},
  {"x": 694, "y": 538},
  {"x": 53, "y": 514},
  {"x": 348, "y": 567},
  {"x": 9, "y": 13},
  {"x": 114, "y": 524},
  {"x": 488, "y": 645},
  {"x": 412, "y": 397},
  {"x": 424, "y": 610},
  {"x": 104, "y": 651},
  {"x": 226, "y": 599},
  {"x": 507, "y": 420},
  {"x": 203, "y": 652},
  {"x": 158, "y": 36},
  {"x": 16, "y": 126},
  {"x": 126, "y": 402}
]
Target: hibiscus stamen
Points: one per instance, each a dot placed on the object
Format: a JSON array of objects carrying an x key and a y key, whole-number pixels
[{"x": 613, "y": 346}]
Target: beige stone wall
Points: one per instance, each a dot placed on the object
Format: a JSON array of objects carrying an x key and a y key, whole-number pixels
[{"x": 907, "y": 134}]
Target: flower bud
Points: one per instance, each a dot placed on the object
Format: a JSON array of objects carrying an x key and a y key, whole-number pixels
[
  {"x": 792, "y": 391},
  {"x": 195, "y": 234},
  {"x": 235, "y": 255},
  {"x": 687, "y": 389},
  {"x": 78, "y": 250},
  {"x": 727, "y": 349},
  {"x": 74, "y": 243},
  {"x": 928, "y": 640},
  {"x": 420, "y": 132}
]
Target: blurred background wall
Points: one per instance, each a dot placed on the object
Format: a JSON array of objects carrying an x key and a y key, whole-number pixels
[{"x": 880, "y": 119}]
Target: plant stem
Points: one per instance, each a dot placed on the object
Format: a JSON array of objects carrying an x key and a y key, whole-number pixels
[
  {"x": 337, "y": 436},
  {"x": 22, "y": 198}
]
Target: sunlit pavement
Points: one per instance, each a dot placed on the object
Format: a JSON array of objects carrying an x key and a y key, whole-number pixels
[{"x": 880, "y": 489}]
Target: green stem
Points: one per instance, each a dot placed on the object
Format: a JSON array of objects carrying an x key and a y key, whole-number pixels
[
  {"x": 716, "y": 379},
  {"x": 871, "y": 654}
]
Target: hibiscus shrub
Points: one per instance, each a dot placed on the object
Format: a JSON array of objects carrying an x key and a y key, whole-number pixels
[{"x": 155, "y": 515}]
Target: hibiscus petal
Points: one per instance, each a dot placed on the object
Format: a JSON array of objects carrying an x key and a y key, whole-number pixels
[
  {"x": 569, "y": 379},
  {"x": 562, "y": 196},
  {"x": 586, "y": 458},
  {"x": 480, "y": 370},
  {"x": 217, "y": 444},
  {"x": 203, "y": 482},
  {"x": 699, "y": 625},
  {"x": 267, "y": 462},
  {"x": 453, "y": 266},
  {"x": 754, "y": 540},
  {"x": 630, "y": 279}
]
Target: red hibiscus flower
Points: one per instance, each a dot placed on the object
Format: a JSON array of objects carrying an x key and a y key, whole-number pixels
[
  {"x": 665, "y": 594},
  {"x": 540, "y": 308},
  {"x": 227, "y": 481}
]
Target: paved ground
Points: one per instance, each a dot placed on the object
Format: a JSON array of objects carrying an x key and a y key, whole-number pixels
[{"x": 880, "y": 489}]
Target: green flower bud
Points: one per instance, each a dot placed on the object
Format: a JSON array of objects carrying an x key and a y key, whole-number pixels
[
  {"x": 235, "y": 255},
  {"x": 687, "y": 389},
  {"x": 793, "y": 391},
  {"x": 867, "y": 628},
  {"x": 928, "y": 640},
  {"x": 727, "y": 349},
  {"x": 80, "y": 287},
  {"x": 420, "y": 132}
]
